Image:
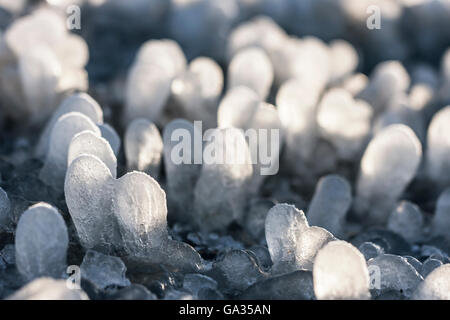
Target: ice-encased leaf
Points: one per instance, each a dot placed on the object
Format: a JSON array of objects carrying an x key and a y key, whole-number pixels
[
  {"x": 87, "y": 142},
  {"x": 221, "y": 190},
  {"x": 340, "y": 272},
  {"x": 89, "y": 192},
  {"x": 441, "y": 220},
  {"x": 330, "y": 203},
  {"x": 78, "y": 102},
  {"x": 395, "y": 274},
  {"x": 182, "y": 159},
  {"x": 63, "y": 131},
  {"x": 388, "y": 165},
  {"x": 344, "y": 122},
  {"x": 111, "y": 136},
  {"x": 436, "y": 285},
  {"x": 251, "y": 67},
  {"x": 438, "y": 149},
  {"x": 407, "y": 221},
  {"x": 48, "y": 289},
  {"x": 41, "y": 242},
  {"x": 140, "y": 208},
  {"x": 143, "y": 147},
  {"x": 104, "y": 271}
]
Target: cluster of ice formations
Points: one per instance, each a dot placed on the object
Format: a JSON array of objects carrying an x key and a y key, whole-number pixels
[
  {"x": 41, "y": 60},
  {"x": 122, "y": 215},
  {"x": 75, "y": 128},
  {"x": 161, "y": 85},
  {"x": 354, "y": 211}
]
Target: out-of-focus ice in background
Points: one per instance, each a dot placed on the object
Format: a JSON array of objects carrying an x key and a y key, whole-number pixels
[{"x": 363, "y": 114}]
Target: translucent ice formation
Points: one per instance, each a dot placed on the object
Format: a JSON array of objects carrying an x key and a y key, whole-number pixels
[
  {"x": 240, "y": 108},
  {"x": 48, "y": 289},
  {"x": 387, "y": 80},
  {"x": 65, "y": 128},
  {"x": 87, "y": 142},
  {"x": 429, "y": 265},
  {"x": 195, "y": 93},
  {"x": 89, "y": 188},
  {"x": 441, "y": 220},
  {"x": 103, "y": 270},
  {"x": 78, "y": 102},
  {"x": 221, "y": 190},
  {"x": 143, "y": 147},
  {"x": 292, "y": 244},
  {"x": 343, "y": 60},
  {"x": 330, "y": 203},
  {"x": 297, "y": 285},
  {"x": 388, "y": 165},
  {"x": 438, "y": 149},
  {"x": 195, "y": 283},
  {"x": 5, "y": 211},
  {"x": 260, "y": 32},
  {"x": 182, "y": 165},
  {"x": 149, "y": 79},
  {"x": 237, "y": 107},
  {"x": 340, "y": 272},
  {"x": 344, "y": 122},
  {"x": 407, "y": 221},
  {"x": 202, "y": 26},
  {"x": 370, "y": 250},
  {"x": 436, "y": 285},
  {"x": 400, "y": 110},
  {"x": 251, "y": 68},
  {"x": 111, "y": 136},
  {"x": 297, "y": 110},
  {"x": 239, "y": 269},
  {"x": 396, "y": 274},
  {"x": 40, "y": 252}
]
